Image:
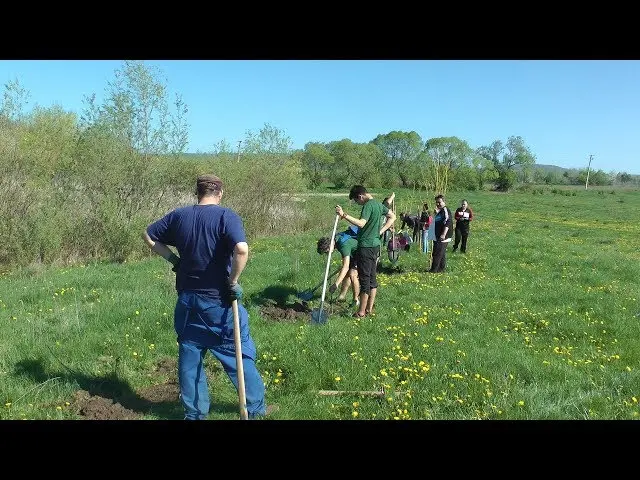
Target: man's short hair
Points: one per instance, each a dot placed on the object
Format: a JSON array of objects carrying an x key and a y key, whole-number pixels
[
  {"x": 439, "y": 196},
  {"x": 324, "y": 244},
  {"x": 357, "y": 190},
  {"x": 208, "y": 185}
]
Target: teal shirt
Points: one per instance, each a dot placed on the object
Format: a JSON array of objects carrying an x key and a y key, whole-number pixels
[
  {"x": 348, "y": 248},
  {"x": 373, "y": 212}
]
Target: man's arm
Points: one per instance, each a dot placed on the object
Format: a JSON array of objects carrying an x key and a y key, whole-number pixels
[
  {"x": 389, "y": 201},
  {"x": 360, "y": 222},
  {"x": 391, "y": 217},
  {"x": 447, "y": 224},
  {"x": 239, "y": 261},
  {"x": 161, "y": 249}
]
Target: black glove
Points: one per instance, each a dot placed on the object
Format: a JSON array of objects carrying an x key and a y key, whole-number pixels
[
  {"x": 176, "y": 266},
  {"x": 333, "y": 288},
  {"x": 235, "y": 292}
]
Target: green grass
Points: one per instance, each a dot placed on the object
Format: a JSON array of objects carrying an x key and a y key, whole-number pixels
[{"x": 540, "y": 320}]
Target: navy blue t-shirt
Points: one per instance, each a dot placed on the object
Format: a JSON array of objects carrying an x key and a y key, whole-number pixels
[{"x": 205, "y": 236}]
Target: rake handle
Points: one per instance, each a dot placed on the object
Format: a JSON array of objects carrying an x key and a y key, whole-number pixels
[
  {"x": 379, "y": 393},
  {"x": 239, "y": 365},
  {"x": 326, "y": 272},
  {"x": 320, "y": 284}
]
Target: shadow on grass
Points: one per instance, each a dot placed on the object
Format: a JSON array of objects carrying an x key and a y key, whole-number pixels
[
  {"x": 112, "y": 387},
  {"x": 281, "y": 295}
]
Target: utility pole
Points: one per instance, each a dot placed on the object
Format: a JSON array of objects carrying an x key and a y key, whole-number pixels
[
  {"x": 238, "y": 155},
  {"x": 586, "y": 184}
]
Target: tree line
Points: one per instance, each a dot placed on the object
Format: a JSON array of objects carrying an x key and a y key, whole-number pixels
[{"x": 79, "y": 186}]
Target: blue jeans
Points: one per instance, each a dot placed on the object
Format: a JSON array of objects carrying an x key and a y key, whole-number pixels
[
  {"x": 203, "y": 324},
  {"x": 425, "y": 242}
]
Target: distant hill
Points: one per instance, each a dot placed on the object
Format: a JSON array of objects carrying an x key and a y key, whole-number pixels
[{"x": 553, "y": 168}]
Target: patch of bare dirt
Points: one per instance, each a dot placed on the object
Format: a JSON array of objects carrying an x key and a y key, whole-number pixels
[
  {"x": 163, "y": 392},
  {"x": 286, "y": 313},
  {"x": 162, "y": 395},
  {"x": 94, "y": 407},
  {"x": 167, "y": 366},
  {"x": 167, "y": 391}
]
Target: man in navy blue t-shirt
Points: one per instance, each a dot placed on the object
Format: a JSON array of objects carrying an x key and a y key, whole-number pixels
[{"x": 213, "y": 252}]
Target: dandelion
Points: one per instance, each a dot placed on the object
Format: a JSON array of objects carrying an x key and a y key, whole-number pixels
[
  {"x": 354, "y": 413},
  {"x": 337, "y": 379},
  {"x": 58, "y": 407},
  {"x": 628, "y": 368},
  {"x": 521, "y": 403},
  {"x": 137, "y": 312},
  {"x": 135, "y": 354},
  {"x": 8, "y": 404}
]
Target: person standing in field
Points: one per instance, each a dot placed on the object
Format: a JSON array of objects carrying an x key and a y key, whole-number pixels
[
  {"x": 371, "y": 229},
  {"x": 423, "y": 225},
  {"x": 443, "y": 230},
  {"x": 463, "y": 217},
  {"x": 213, "y": 252}
]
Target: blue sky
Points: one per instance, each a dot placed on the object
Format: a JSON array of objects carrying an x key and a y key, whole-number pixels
[{"x": 565, "y": 110}]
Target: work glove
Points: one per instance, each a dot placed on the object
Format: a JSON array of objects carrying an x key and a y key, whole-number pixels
[
  {"x": 235, "y": 292},
  {"x": 333, "y": 288}
]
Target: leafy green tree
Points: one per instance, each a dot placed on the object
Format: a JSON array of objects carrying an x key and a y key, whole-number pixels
[
  {"x": 355, "y": 163},
  {"x": 269, "y": 140},
  {"x": 14, "y": 100},
  {"x": 136, "y": 111},
  {"x": 316, "y": 163},
  {"x": 624, "y": 178},
  {"x": 401, "y": 151},
  {"x": 505, "y": 157},
  {"x": 443, "y": 155}
]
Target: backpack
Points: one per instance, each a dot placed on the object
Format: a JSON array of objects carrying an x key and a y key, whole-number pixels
[{"x": 351, "y": 232}]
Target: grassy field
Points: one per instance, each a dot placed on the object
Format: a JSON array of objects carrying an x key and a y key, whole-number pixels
[{"x": 539, "y": 320}]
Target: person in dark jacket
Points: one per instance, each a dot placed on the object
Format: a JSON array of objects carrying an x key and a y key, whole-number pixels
[
  {"x": 463, "y": 217},
  {"x": 412, "y": 221},
  {"x": 443, "y": 224}
]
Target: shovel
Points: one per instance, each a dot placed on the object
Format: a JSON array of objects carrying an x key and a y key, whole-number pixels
[
  {"x": 308, "y": 294},
  {"x": 318, "y": 315}
]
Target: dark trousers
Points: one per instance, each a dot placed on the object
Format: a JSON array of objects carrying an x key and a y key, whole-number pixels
[
  {"x": 439, "y": 257},
  {"x": 462, "y": 232},
  {"x": 367, "y": 258}
]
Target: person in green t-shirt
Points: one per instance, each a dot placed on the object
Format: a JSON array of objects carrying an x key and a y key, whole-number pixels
[
  {"x": 371, "y": 228},
  {"x": 347, "y": 245}
]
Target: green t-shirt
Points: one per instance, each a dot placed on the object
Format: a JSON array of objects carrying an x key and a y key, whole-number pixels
[
  {"x": 373, "y": 212},
  {"x": 348, "y": 248}
]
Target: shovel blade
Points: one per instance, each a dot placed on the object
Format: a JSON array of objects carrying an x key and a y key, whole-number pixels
[
  {"x": 319, "y": 316},
  {"x": 306, "y": 295}
]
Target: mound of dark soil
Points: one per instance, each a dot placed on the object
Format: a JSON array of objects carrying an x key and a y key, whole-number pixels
[{"x": 286, "y": 313}]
